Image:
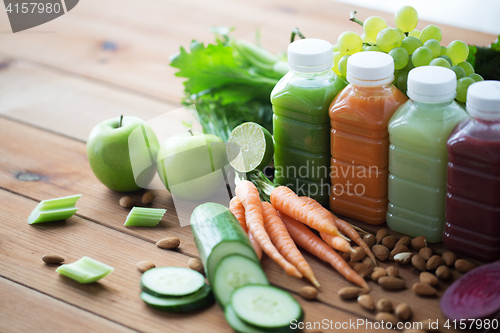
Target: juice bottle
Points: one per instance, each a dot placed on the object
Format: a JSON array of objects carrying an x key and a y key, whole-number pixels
[
  {"x": 417, "y": 156},
  {"x": 473, "y": 201},
  {"x": 359, "y": 139},
  {"x": 300, "y": 122}
]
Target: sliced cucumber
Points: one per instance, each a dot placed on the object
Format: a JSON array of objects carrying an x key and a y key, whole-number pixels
[
  {"x": 202, "y": 298},
  {"x": 171, "y": 281},
  {"x": 233, "y": 272},
  {"x": 265, "y": 307},
  {"x": 237, "y": 324}
]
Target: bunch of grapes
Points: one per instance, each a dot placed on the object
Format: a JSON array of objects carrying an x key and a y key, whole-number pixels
[{"x": 408, "y": 47}]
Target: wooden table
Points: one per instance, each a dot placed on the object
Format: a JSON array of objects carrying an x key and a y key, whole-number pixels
[{"x": 102, "y": 59}]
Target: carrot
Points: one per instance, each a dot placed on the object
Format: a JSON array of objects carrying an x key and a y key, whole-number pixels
[
  {"x": 336, "y": 242},
  {"x": 306, "y": 239},
  {"x": 287, "y": 202},
  {"x": 343, "y": 226},
  {"x": 238, "y": 211},
  {"x": 284, "y": 243},
  {"x": 248, "y": 195}
]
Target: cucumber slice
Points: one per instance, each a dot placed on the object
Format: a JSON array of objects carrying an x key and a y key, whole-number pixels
[
  {"x": 233, "y": 272},
  {"x": 200, "y": 299},
  {"x": 266, "y": 307},
  {"x": 236, "y": 323},
  {"x": 171, "y": 281}
]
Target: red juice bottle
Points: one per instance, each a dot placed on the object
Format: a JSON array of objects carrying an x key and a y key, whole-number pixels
[{"x": 473, "y": 200}]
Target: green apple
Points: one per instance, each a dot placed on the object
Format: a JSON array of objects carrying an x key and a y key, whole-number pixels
[
  {"x": 189, "y": 165},
  {"x": 121, "y": 153}
]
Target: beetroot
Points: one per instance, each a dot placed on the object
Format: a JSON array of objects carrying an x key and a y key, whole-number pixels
[{"x": 475, "y": 295}]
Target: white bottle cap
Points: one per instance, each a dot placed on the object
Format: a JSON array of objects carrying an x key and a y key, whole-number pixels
[
  {"x": 483, "y": 100},
  {"x": 310, "y": 55},
  {"x": 432, "y": 84},
  {"x": 370, "y": 68}
]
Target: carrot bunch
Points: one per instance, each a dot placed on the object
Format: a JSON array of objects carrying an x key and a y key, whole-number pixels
[{"x": 278, "y": 228}]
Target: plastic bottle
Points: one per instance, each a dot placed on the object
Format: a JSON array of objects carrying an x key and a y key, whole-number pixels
[
  {"x": 300, "y": 123},
  {"x": 418, "y": 132},
  {"x": 360, "y": 142},
  {"x": 473, "y": 200}
]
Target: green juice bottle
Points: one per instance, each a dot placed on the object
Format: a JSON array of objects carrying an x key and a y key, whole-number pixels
[
  {"x": 301, "y": 124},
  {"x": 418, "y": 157}
]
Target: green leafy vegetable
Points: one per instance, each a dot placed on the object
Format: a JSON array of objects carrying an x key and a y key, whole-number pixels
[
  {"x": 230, "y": 82},
  {"x": 486, "y": 60}
]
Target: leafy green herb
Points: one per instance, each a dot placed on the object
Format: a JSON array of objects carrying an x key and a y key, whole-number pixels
[{"x": 486, "y": 60}]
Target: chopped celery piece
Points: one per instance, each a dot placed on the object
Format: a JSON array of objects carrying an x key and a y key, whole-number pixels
[
  {"x": 85, "y": 270},
  {"x": 54, "y": 209},
  {"x": 144, "y": 217}
]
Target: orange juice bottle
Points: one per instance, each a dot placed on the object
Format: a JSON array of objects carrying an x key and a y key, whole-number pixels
[{"x": 359, "y": 139}]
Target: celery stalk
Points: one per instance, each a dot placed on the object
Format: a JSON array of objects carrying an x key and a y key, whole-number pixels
[
  {"x": 54, "y": 209},
  {"x": 85, "y": 270},
  {"x": 144, "y": 217}
]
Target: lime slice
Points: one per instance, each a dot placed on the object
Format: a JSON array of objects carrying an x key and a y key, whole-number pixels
[{"x": 250, "y": 147}]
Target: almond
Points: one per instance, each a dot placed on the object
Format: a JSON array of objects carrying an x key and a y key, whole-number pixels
[
  {"x": 377, "y": 273},
  {"x": 366, "y": 301},
  {"x": 449, "y": 258},
  {"x": 403, "y": 258},
  {"x": 405, "y": 241},
  {"x": 147, "y": 198},
  {"x": 364, "y": 269},
  {"x": 308, "y": 292},
  {"x": 434, "y": 262},
  {"x": 346, "y": 256},
  {"x": 368, "y": 260},
  {"x": 391, "y": 283},
  {"x": 52, "y": 259},
  {"x": 369, "y": 240},
  {"x": 168, "y": 243},
  {"x": 380, "y": 235},
  {"x": 418, "y": 242},
  {"x": 351, "y": 292},
  {"x": 418, "y": 262},
  {"x": 392, "y": 271},
  {"x": 398, "y": 249},
  {"x": 387, "y": 318},
  {"x": 144, "y": 265},
  {"x": 463, "y": 266},
  {"x": 389, "y": 242},
  {"x": 428, "y": 278},
  {"x": 443, "y": 272},
  {"x": 380, "y": 252},
  {"x": 126, "y": 202},
  {"x": 423, "y": 289},
  {"x": 358, "y": 254},
  {"x": 403, "y": 311},
  {"x": 384, "y": 305},
  {"x": 196, "y": 265},
  {"x": 425, "y": 252}
]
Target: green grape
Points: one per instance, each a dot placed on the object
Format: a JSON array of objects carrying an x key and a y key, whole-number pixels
[
  {"x": 459, "y": 72},
  {"x": 406, "y": 18},
  {"x": 443, "y": 50},
  {"x": 367, "y": 39},
  {"x": 396, "y": 75},
  {"x": 411, "y": 43},
  {"x": 458, "y": 51},
  {"x": 400, "y": 56},
  {"x": 414, "y": 33},
  {"x": 373, "y": 25},
  {"x": 373, "y": 48},
  {"x": 336, "y": 58},
  {"x": 440, "y": 62},
  {"x": 388, "y": 38},
  {"x": 462, "y": 86},
  {"x": 401, "y": 33},
  {"x": 335, "y": 48},
  {"x": 431, "y": 32},
  {"x": 402, "y": 82},
  {"x": 422, "y": 56},
  {"x": 467, "y": 67},
  {"x": 410, "y": 65},
  {"x": 476, "y": 77},
  {"x": 434, "y": 46},
  {"x": 446, "y": 58},
  {"x": 343, "y": 65},
  {"x": 349, "y": 43}
]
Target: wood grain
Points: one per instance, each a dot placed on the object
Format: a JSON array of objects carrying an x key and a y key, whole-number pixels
[{"x": 46, "y": 314}]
